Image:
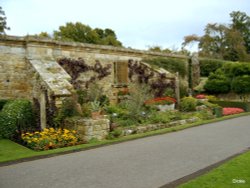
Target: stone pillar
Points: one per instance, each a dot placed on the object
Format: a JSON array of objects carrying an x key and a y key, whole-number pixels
[
  {"x": 177, "y": 89},
  {"x": 195, "y": 69},
  {"x": 43, "y": 119}
]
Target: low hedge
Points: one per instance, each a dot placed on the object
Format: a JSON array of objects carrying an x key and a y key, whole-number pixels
[
  {"x": 241, "y": 84},
  {"x": 243, "y": 105},
  {"x": 16, "y": 116},
  {"x": 170, "y": 64},
  {"x": 210, "y": 65},
  {"x": 2, "y": 103}
]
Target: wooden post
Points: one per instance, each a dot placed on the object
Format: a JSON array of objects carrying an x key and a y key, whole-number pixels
[{"x": 177, "y": 89}]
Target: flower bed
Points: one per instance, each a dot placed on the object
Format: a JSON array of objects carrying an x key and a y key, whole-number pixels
[
  {"x": 200, "y": 96},
  {"x": 161, "y": 101},
  {"x": 230, "y": 111},
  {"x": 51, "y": 139}
]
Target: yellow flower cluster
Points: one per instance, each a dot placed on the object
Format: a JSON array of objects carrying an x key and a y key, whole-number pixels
[{"x": 51, "y": 138}]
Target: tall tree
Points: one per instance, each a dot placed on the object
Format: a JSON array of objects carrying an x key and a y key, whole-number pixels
[
  {"x": 222, "y": 41},
  {"x": 3, "y": 22},
  {"x": 107, "y": 37},
  {"x": 241, "y": 23}
]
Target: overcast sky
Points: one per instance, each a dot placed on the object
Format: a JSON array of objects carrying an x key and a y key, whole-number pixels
[{"x": 137, "y": 23}]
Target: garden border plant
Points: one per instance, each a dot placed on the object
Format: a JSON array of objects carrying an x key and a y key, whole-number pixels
[{"x": 10, "y": 156}]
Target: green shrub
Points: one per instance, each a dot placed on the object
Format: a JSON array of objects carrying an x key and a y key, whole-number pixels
[
  {"x": 241, "y": 84},
  {"x": 114, "y": 134},
  {"x": 243, "y": 105},
  {"x": 2, "y": 103},
  {"x": 68, "y": 109},
  {"x": 208, "y": 66},
  {"x": 188, "y": 104},
  {"x": 170, "y": 64},
  {"x": 217, "y": 83},
  {"x": 204, "y": 114},
  {"x": 16, "y": 117},
  {"x": 159, "y": 117},
  {"x": 237, "y": 69}
]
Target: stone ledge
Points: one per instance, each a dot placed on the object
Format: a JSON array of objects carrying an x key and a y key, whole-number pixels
[
  {"x": 45, "y": 41},
  {"x": 152, "y": 127}
]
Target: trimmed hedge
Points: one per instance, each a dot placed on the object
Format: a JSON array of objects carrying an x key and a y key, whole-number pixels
[
  {"x": 16, "y": 116},
  {"x": 243, "y": 105},
  {"x": 170, "y": 64},
  {"x": 208, "y": 66},
  {"x": 217, "y": 83},
  {"x": 241, "y": 84}
]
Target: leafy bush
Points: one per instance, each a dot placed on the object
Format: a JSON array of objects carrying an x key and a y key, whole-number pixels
[
  {"x": 68, "y": 109},
  {"x": 51, "y": 139},
  {"x": 2, "y": 103},
  {"x": 208, "y": 66},
  {"x": 114, "y": 134},
  {"x": 241, "y": 84},
  {"x": 237, "y": 69},
  {"x": 243, "y": 105},
  {"x": 170, "y": 64},
  {"x": 188, "y": 104},
  {"x": 16, "y": 116},
  {"x": 217, "y": 83},
  {"x": 135, "y": 104},
  {"x": 204, "y": 114},
  {"x": 159, "y": 117}
]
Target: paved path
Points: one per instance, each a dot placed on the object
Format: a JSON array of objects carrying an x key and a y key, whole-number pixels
[{"x": 145, "y": 163}]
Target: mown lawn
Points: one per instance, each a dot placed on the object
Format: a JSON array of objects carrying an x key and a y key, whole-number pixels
[
  {"x": 234, "y": 173},
  {"x": 10, "y": 151}
]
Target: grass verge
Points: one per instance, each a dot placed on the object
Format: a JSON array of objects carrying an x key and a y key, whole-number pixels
[
  {"x": 234, "y": 173},
  {"x": 11, "y": 151}
]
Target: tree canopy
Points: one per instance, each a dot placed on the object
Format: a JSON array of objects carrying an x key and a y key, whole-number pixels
[
  {"x": 79, "y": 32},
  {"x": 229, "y": 42},
  {"x": 3, "y": 22}
]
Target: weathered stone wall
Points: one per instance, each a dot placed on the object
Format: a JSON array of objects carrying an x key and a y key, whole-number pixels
[
  {"x": 29, "y": 68},
  {"x": 89, "y": 128},
  {"x": 16, "y": 77},
  {"x": 25, "y": 62}
]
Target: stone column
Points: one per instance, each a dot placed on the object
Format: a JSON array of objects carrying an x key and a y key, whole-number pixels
[
  {"x": 177, "y": 89},
  {"x": 195, "y": 69},
  {"x": 43, "y": 119}
]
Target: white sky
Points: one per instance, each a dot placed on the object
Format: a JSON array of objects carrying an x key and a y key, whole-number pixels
[{"x": 137, "y": 23}]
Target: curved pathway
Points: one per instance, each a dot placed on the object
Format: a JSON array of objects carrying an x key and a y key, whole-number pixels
[{"x": 144, "y": 163}]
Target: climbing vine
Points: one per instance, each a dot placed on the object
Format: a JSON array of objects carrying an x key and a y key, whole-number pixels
[
  {"x": 75, "y": 67},
  {"x": 144, "y": 74}
]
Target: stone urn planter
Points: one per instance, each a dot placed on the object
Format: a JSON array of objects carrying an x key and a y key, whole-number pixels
[
  {"x": 166, "y": 107},
  {"x": 96, "y": 115}
]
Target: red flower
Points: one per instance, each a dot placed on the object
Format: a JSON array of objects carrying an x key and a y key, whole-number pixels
[
  {"x": 230, "y": 111},
  {"x": 200, "y": 96},
  {"x": 161, "y": 100}
]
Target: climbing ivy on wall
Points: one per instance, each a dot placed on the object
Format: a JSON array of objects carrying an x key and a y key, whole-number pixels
[
  {"x": 74, "y": 67},
  {"x": 144, "y": 74}
]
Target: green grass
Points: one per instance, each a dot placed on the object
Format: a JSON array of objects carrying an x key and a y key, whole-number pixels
[
  {"x": 226, "y": 175},
  {"x": 10, "y": 151}
]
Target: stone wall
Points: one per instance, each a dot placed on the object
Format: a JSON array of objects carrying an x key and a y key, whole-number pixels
[
  {"x": 29, "y": 68},
  {"x": 24, "y": 59},
  {"x": 89, "y": 128}
]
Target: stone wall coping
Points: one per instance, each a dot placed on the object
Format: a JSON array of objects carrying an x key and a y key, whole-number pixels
[{"x": 46, "y": 41}]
